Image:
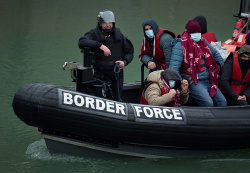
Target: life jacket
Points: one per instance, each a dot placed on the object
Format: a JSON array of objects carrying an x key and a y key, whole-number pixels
[
  {"x": 143, "y": 99},
  {"x": 209, "y": 36},
  {"x": 114, "y": 43},
  {"x": 202, "y": 67},
  {"x": 157, "y": 54},
  {"x": 237, "y": 84},
  {"x": 233, "y": 45}
]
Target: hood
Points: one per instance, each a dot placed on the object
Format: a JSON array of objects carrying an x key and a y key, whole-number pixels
[
  {"x": 152, "y": 23},
  {"x": 168, "y": 74},
  {"x": 155, "y": 76}
]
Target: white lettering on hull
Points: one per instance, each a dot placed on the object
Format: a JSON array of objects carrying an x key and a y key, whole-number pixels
[
  {"x": 158, "y": 113},
  {"x": 104, "y": 106},
  {"x": 93, "y": 103}
]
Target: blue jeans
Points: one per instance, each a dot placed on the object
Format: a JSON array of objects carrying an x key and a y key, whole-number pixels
[{"x": 200, "y": 94}]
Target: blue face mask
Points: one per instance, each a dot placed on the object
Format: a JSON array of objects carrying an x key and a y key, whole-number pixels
[
  {"x": 196, "y": 37},
  {"x": 149, "y": 33},
  {"x": 171, "y": 83}
]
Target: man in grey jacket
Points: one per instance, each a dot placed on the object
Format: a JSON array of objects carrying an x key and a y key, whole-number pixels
[{"x": 156, "y": 46}]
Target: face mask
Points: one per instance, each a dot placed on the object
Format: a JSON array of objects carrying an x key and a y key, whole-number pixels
[
  {"x": 149, "y": 33},
  {"x": 171, "y": 83},
  {"x": 108, "y": 31},
  {"x": 196, "y": 37},
  {"x": 245, "y": 64}
]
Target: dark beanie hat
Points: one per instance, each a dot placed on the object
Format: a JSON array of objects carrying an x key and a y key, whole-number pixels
[
  {"x": 193, "y": 26},
  {"x": 202, "y": 22},
  {"x": 244, "y": 48},
  {"x": 248, "y": 39}
]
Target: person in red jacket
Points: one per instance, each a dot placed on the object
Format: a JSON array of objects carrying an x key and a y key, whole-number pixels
[
  {"x": 235, "y": 78},
  {"x": 156, "y": 46}
]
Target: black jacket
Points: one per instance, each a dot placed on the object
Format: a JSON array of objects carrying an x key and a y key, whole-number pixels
[
  {"x": 226, "y": 77},
  {"x": 93, "y": 40}
]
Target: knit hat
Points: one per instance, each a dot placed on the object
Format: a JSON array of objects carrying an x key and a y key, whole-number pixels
[
  {"x": 244, "y": 48},
  {"x": 202, "y": 22},
  {"x": 248, "y": 39},
  {"x": 193, "y": 26}
]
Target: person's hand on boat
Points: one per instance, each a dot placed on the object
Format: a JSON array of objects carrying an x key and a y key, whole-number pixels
[
  {"x": 242, "y": 98},
  {"x": 106, "y": 50},
  {"x": 122, "y": 64},
  {"x": 151, "y": 65},
  {"x": 184, "y": 85}
]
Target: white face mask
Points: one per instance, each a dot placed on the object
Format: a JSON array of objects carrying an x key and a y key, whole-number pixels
[
  {"x": 149, "y": 33},
  {"x": 171, "y": 83},
  {"x": 196, "y": 37}
]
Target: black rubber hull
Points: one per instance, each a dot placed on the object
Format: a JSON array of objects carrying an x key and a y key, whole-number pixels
[{"x": 39, "y": 105}]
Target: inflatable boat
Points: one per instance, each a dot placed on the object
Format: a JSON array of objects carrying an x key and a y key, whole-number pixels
[
  {"x": 85, "y": 121},
  {"x": 71, "y": 121},
  {"x": 81, "y": 121}
]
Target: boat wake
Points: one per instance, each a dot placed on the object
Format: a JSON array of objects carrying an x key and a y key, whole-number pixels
[
  {"x": 226, "y": 160},
  {"x": 38, "y": 150}
]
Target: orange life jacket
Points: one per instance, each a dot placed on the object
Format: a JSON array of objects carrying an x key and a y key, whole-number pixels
[{"x": 231, "y": 45}]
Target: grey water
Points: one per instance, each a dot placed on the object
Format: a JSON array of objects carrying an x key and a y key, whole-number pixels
[{"x": 38, "y": 36}]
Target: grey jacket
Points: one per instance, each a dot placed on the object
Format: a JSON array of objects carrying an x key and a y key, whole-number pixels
[{"x": 165, "y": 42}]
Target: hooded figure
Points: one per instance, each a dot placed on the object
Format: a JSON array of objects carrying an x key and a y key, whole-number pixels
[
  {"x": 235, "y": 77},
  {"x": 165, "y": 88},
  {"x": 156, "y": 46},
  {"x": 208, "y": 35},
  {"x": 154, "y": 26},
  {"x": 202, "y": 22}
]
